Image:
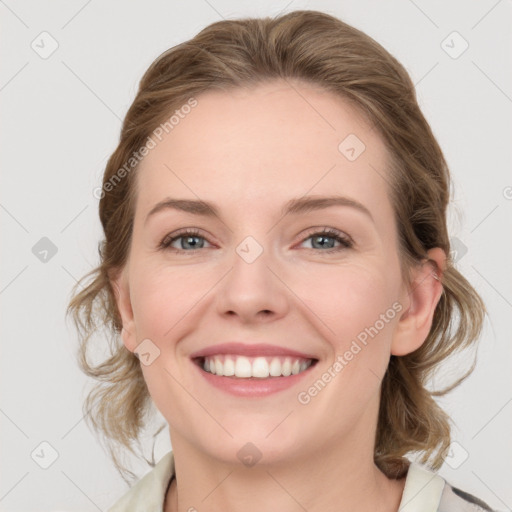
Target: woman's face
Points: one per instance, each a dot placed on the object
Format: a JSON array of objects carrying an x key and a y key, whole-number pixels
[{"x": 255, "y": 273}]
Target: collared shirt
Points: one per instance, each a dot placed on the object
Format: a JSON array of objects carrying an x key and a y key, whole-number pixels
[{"x": 424, "y": 491}]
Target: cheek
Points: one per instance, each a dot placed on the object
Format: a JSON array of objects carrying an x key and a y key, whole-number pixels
[
  {"x": 358, "y": 306},
  {"x": 162, "y": 298},
  {"x": 348, "y": 300}
]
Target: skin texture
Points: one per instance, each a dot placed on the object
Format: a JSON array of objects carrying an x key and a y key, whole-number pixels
[{"x": 249, "y": 151}]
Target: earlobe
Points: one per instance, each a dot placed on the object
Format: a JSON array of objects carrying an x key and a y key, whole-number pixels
[
  {"x": 122, "y": 293},
  {"x": 423, "y": 296}
]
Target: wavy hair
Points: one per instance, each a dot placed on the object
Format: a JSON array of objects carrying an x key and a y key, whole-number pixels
[{"x": 322, "y": 50}]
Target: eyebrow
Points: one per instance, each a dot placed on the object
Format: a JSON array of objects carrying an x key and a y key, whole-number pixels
[{"x": 296, "y": 206}]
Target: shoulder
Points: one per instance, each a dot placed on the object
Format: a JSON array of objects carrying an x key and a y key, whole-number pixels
[
  {"x": 148, "y": 494},
  {"x": 426, "y": 490},
  {"x": 454, "y": 499}
]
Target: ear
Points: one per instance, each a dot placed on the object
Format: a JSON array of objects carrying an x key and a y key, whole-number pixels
[
  {"x": 422, "y": 297},
  {"x": 122, "y": 293}
]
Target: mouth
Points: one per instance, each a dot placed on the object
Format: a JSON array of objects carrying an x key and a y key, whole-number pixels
[
  {"x": 253, "y": 377},
  {"x": 252, "y": 370},
  {"x": 259, "y": 367}
]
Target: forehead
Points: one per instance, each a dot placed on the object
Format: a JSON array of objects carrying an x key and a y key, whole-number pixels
[{"x": 261, "y": 146}]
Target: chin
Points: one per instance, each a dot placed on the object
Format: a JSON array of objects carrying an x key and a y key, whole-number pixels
[{"x": 253, "y": 444}]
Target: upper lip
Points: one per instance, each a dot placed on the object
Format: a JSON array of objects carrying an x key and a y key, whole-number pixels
[{"x": 252, "y": 350}]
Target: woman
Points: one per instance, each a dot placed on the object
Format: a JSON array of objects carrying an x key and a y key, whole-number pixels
[{"x": 277, "y": 266}]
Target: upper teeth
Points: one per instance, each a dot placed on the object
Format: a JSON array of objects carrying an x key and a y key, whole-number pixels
[{"x": 262, "y": 367}]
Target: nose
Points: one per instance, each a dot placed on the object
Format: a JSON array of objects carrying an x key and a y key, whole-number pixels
[{"x": 253, "y": 291}]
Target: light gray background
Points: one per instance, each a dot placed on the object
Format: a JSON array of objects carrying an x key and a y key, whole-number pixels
[{"x": 61, "y": 120}]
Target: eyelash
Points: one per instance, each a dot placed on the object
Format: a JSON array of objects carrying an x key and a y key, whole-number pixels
[{"x": 346, "y": 243}]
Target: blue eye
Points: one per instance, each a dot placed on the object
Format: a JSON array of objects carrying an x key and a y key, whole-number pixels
[
  {"x": 192, "y": 241},
  {"x": 333, "y": 234},
  {"x": 187, "y": 237}
]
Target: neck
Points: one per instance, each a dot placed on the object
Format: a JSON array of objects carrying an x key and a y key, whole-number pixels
[{"x": 341, "y": 478}]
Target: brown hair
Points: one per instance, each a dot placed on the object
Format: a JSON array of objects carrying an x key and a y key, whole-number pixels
[{"x": 319, "y": 49}]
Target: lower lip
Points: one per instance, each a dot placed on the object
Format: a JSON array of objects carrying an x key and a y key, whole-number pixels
[{"x": 253, "y": 386}]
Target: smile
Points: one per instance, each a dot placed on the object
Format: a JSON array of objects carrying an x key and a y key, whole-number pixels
[
  {"x": 261, "y": 367},
  {"x": 252, "y": 370}
]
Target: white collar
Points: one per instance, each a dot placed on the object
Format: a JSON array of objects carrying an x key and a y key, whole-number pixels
[{"x": 422, "y": 491}]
